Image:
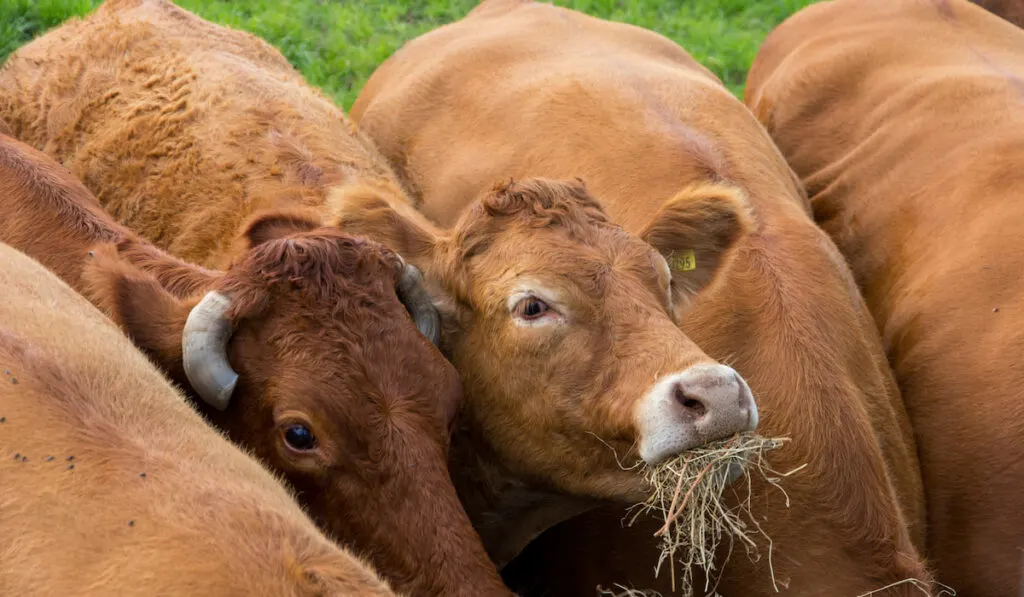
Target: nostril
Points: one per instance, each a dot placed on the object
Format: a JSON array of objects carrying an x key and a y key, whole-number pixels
[
  {"x": 692, "y": 404},
  {"x": 689, "y": 402}
]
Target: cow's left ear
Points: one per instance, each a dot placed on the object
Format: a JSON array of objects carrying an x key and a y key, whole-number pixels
[
  {"x": 136, "y": 301},
  {"x": 273, "y": 224},
  {"x": 696, "y": 231}
]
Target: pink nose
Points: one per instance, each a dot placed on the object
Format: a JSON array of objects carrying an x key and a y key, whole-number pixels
[{"x": 691, "y": 408}]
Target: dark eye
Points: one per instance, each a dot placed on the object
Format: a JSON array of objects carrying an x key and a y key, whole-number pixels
[
  {"x": 299, "y": 437},
  {"x": 532, "y": 308}
]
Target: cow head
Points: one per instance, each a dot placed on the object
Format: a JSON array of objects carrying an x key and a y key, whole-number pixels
[
  {"x": 563, "y": 328},
  {"x": 313, "y": 350}
]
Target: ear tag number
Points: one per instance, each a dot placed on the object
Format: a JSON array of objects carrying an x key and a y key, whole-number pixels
[{"x": 684, "y": 262}]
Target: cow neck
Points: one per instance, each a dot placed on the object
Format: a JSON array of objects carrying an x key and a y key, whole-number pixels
[
  {"x": 461, "y": 566},
  {"x": 506, "y": 511}
]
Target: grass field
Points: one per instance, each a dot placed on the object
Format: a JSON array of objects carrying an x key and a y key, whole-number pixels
[{"x": 338, "y": 43}]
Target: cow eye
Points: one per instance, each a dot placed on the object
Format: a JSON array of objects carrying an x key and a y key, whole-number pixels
[
  {"x": 531, "y": 308},
  {"x": 299, "y": 437}
]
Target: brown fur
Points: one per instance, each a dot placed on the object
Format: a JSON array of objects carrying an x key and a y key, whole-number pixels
[
  {"x": 526, "y": 89},
  {"x": 118, "y": 487},
  {"x": 320, "y": 336},
  {"x": 905, "y": 119}
]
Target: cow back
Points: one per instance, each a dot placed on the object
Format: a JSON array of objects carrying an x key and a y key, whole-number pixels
[
  {"x": 180, "y": 127},
  {"x": 905, "y": 120}
]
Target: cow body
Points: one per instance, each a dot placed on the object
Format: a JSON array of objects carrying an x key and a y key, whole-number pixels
[
  {"x": 519, "y": 89},
  {"x": 904, "y": 119},
  {"x": 111, "y": 485}
]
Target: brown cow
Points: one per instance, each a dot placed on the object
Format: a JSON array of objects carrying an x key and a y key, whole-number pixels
[
  {"x": 181, "y": 126},
  {"x": 335, "y": 387},
  {"x": 111, "y": 485},
  {"x": 528, "y": 89},
  {"x": 905, "y": 119}
]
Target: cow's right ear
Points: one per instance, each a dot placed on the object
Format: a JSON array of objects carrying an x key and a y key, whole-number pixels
[
  {"x": 151, "y": 316},
  {"x": 400, "y": 227},
  {"x": 396, "y": 225},
  {"x": 696, "y": 231}
]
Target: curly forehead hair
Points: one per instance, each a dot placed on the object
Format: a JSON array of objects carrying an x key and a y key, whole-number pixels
[
  {"x": 321, "y": 265},
  {"x": 535, "y": 203}
]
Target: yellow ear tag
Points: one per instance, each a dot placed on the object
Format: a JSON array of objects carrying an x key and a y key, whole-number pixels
[{"x": 683, "y": 262}]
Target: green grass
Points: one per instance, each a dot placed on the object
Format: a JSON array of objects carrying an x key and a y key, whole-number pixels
[{"x": 338, "y": 43}]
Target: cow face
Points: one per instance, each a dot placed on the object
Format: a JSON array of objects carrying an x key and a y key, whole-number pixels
[
  {"x": 306, "y": 350},
  {"x": 562, "y": 326}
]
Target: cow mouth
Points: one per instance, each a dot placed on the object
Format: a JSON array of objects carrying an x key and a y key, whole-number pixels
[{"x": 686, "y": 496}]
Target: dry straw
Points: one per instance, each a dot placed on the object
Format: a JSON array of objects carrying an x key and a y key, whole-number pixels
[
  {"x": 687, "y": 498},
  {"x": 917, "y": 584},
  {"x": 624, "y": 591}
]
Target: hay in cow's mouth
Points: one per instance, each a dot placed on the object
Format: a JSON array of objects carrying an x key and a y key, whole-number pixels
[
  {"x": 687, "y": 497},
  {"x": 624, "y": 591}
]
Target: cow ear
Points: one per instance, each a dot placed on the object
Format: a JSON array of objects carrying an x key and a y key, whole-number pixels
[
  {"x": 398, "y": 226},
  {"x": 271, "y": 225},
  {"x": 696, "y": 231},
  {"x": 151, "y": 316},
  {"x": 181, "y": 278},
  {"x": 394, "y": 224}
]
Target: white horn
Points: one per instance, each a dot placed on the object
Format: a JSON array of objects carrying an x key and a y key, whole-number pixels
[
  {"x": 204, "y": 345},
  {"x": 416, "y": 300}
]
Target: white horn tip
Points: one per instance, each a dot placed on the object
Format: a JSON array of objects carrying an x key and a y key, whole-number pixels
[{"x": 223, "y": 397}]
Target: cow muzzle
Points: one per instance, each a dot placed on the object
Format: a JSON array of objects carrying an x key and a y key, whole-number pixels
[{"x": 689, "y": 409}]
